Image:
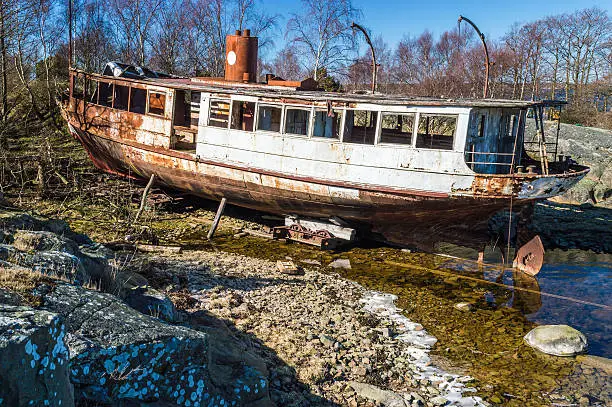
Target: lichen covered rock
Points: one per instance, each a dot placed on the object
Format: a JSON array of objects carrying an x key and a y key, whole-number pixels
[
  {"x": 151, "y": 302},
  {"x": 557, "y": 340},
  {"x": 118, "y": 353},
  {"x": 34, "y": 358}
]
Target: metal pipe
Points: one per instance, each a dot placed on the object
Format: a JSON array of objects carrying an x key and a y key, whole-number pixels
[
  {"x": 488, "y": 63},
  {"x": 367, "y": 37}
]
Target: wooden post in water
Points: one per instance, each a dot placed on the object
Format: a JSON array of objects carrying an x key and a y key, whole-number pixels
[{"x": 215, "y": 223}]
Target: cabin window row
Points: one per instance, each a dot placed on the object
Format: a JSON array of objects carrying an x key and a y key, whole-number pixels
[
  {"x": 433, "y": 131},
  {"x": 128, "y": 98}
]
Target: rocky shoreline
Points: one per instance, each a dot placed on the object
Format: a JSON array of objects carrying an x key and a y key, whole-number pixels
[
  {"x": 213, "y": 328},
  {"x": 348, "y": 345},
  {"x": 85, "y": 325}
]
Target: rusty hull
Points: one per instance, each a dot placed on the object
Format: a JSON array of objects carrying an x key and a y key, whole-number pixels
[{"x": 414, "y": 217}]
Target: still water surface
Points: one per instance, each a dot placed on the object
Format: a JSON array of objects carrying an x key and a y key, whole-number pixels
[{"x": 580, "y": 286}]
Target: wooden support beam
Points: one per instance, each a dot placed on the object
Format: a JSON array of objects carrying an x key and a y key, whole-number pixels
[
  {"x": 143, "y": 201},
  {"x": 215, "y": 223}
]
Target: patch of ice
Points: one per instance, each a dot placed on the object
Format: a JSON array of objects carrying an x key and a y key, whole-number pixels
[{"x": 419, "y": 343}]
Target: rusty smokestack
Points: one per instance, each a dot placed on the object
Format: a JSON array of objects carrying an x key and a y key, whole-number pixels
[{"x": 241, "y": 57}]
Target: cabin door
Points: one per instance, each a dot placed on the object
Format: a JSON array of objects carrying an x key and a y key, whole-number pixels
[{"x": 185, "y": 119}]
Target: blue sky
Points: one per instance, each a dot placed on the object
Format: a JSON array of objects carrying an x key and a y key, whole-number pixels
[{"x": 394, "y": 18}]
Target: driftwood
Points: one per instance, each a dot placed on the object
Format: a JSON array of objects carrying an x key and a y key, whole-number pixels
[{"x": 149, "y": 248}]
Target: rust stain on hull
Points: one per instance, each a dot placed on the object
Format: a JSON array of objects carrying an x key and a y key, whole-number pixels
[{"x": 400, "y": 217}]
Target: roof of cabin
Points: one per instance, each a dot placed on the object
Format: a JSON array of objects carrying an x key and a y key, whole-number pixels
[{"x": 263, "y": 90}]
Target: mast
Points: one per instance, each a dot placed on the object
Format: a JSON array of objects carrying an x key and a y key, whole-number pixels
[
  {"x": 484, "y": 44},
  {"x": 367, "y": 37},
  {"x": 70, "y": 50}
]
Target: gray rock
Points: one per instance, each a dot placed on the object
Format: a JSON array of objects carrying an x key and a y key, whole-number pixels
[
  {"x": 29, "y": 241},
  {"x": 464, "y": 306},
  {"x": 125, "y": 281},
  {"x": 340, "y": 264},
  {"x": 34, "y": 358},
  {"x": 58, "y": 256},
  {"x": 118, "y": 353},
  {"x": 439, "y": 401},
  {"x": 558, "y": 340},
  {"x": 386, "y": 398},
  {"x": 151, "y": 302},
  {"x": 8, "y": 297},
  {"x": 14, "y": 219},
  {"x": 54, "y": 263},
  {"x": 326, "y": 340}
]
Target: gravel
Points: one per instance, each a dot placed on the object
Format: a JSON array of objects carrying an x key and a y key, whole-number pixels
[{"x": 319, "y": 332}]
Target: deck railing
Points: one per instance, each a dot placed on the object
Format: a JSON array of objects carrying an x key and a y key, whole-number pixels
[{"x": 474, "y": 160}]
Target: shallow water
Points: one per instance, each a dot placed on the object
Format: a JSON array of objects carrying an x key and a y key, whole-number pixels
[
  {"x": 574, "y": 288},
  {"x": 585, "y": 276}
]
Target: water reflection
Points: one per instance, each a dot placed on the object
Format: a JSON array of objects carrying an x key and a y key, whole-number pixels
[
  {"x": 572, "y": 288},
  {"x": 527, "y": 298}
]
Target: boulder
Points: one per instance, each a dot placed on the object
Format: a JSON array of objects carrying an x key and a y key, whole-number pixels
[
  {"x": 12, "y": 219},
  {"x": 34, "y": 358},
  {"x": 119, "y": 355},
  {"x": 557, "y": 340}
]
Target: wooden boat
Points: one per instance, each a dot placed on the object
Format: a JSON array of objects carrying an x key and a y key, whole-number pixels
[{"x": 411, "y": 169}]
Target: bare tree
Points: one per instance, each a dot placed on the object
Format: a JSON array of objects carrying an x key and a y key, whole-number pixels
[
  {"x": 285, "y": 65},
  {"x": 323, "y": 35},
  {"x": 134, "y": 20}
]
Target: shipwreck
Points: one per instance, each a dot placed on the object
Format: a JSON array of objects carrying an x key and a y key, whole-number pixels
[{"x": 409, "y": 169}]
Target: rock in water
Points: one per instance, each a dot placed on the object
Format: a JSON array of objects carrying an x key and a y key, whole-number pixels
[
  {"x": 557, "y": 340},
  {"x": 33, "y": 358},
  {"x": 118, "y": 353},
  {"x": 340, "y": 264}
]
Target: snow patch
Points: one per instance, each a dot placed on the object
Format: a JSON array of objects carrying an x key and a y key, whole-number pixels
[{"x": 418, "y": 345}]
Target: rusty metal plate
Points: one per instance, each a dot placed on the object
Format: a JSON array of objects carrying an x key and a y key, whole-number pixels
[{"x": 530, "y": 257}]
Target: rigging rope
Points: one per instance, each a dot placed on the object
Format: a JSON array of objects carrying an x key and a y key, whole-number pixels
[{"x": 482, "y": 280}]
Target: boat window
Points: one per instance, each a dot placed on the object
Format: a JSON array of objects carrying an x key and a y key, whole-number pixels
[
  {"x": 157, "y": 103},
  {"x": 436, "y": 131},
  {"x": 219, "y": 113},
  {"x": 120, "y": 98},
  {"x": 269, "y": 118},
  {"x": 78, "y": 85},
  {"x": 327, "y": 124},
  {"x": 138, "y": 100},
  {"x": 360, "y": 126},
  {"x": 194, "y": 108},
  {"x": 106, "y": 94},
  {"x": 481, "y": 125},
  {"x": 92, "y": 91},
  {"x": 397, "y": 128},
  {"x": 296, "y": 121},
  {"x": 243, "y": 115}
]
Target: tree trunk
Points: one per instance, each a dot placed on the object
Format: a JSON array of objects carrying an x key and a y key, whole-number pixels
[{"x": 4, "y": 61}]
